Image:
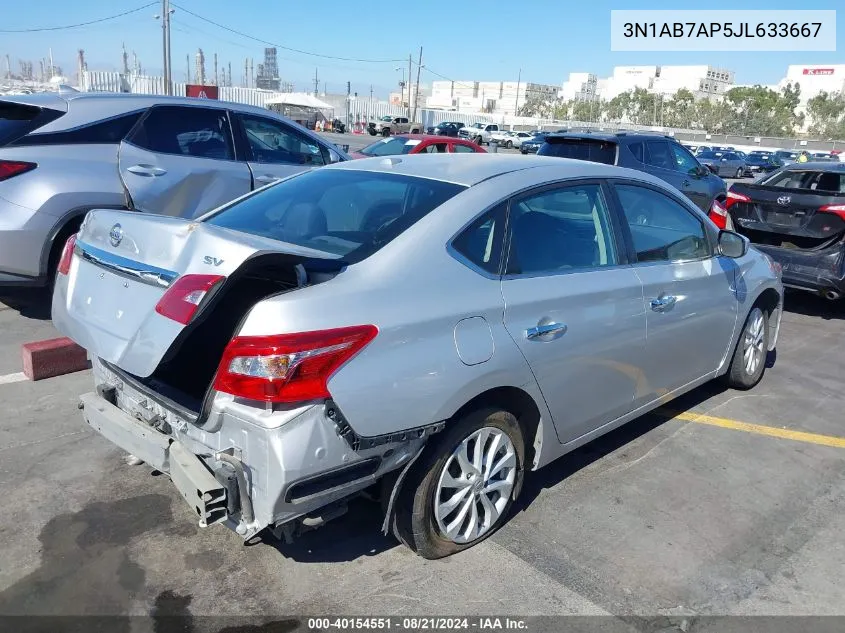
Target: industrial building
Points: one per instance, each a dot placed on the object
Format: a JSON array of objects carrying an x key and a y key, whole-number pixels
[
  {"x": 703, "y": 81},
  {"x": 491, "y": 97}
]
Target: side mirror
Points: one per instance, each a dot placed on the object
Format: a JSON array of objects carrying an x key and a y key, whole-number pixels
[{"x": 732, "y": 244}]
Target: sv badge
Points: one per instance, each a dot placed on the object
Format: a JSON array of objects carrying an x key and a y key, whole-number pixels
[{"x": 212, "y": 261}]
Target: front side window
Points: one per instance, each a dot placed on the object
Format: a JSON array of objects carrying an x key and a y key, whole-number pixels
[
  {"x": 186, "y": 131},
  {"x": 662, "y": 228},
  {"x": 686, "y": 162},
  {"x": 435, "y": 148},
  {"x": 459, "y": 148},
  {"x": 351, "y": 214},
  {"x": 391, "y": 146},
  {"x": 274, "y": 142},
  {"x": 559, "y": 230}
]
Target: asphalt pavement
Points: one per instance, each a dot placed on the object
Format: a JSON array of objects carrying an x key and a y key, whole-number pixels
[{"x": 736, "y": 505}]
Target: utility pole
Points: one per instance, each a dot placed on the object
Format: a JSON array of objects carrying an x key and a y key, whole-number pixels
[
  {"x": 188, "y": 68},
  {"x": 165, "y": 45},
  {"x": 348, "y": 101},
  {"x": 316, "y": 81},
  {"x": 216, "y": 80},
  {"x": 516, "y": 105},
  {"x": 409, "y": 86},
  {"x": 417, "y": 89}
]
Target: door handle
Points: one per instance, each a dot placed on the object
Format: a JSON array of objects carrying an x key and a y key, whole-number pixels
[
  {"x": 149, "y": 171},
  {"x": 663, "y": 303},
  {"x": 686, "y": 183},
  {"x": 267, "y": 178},
  {"x": 545, "y": 329}
]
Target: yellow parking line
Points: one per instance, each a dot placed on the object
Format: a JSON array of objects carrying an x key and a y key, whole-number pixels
[{"x": 758, "y": 429}]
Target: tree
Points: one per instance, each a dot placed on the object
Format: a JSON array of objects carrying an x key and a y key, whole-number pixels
[
  {"x": 679, "y": 110},
  {"x": 617, "y": 108},
  {"x": 827, "y": 115},
  {"x": 760, "y": 111},
  {"x": 586, "y": 110}
]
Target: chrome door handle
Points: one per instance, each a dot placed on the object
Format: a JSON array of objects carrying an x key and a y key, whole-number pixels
[
  {"x": 146, "y": 170},
  {"x": 663, "y": 303},
  {"x": 545, "y": 328},
  {"x": 266, "y": 180}
]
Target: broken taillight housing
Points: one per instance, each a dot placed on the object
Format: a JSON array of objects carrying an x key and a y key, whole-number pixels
[
  {"x": 288, "y": 367},
  {"x": 183, "y": 298},
  {"x": 838, "y": 209},
  {"x": 719, "y": 214},
  {"x": 67, "y": 255},
  {"x": 12, "y": 168}
]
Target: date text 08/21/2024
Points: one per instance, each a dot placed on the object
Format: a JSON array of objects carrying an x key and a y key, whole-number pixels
[
  {"x": 715, "y": 29},
  {"x": 416, "y": 623}
]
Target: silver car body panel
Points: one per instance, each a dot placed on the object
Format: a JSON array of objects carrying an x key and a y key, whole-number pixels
[
  {"x": 72, "y": 179},
  {"x": 447, "y": 333}
]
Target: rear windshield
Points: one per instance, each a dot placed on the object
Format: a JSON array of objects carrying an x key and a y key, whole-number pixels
[
  {"x": 391, "y": 146},
  {"x": 812, "y": 180},
  {"x": 348, "y": 213},
  {"x": 17, "y": 120},
  {"x": 592, "y": 150}
]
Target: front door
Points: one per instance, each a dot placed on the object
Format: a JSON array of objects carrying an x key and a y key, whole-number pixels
[
  {"x": 688, "y": 289},
  {"x": 574, "y": 311},
  {"x": 695, "y": 177},
  {"x": 275, "y": 150},
  {"x": 180, "y": 160}
]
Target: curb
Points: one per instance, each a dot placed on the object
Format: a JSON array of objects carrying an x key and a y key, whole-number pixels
[{"x": 53, "y": 357}]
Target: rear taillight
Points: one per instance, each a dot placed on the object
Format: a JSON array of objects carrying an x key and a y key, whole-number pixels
[
  {"x": 719, "y": 214},
  {"x": 12, "y": 168},
  {"x": 183, "y": 298},
  {"x": 288, "y": 367},
  {"x": 838, "y": 209},
  {"x": 734, "y": 197},
  {"x": 67, "y": 254}
]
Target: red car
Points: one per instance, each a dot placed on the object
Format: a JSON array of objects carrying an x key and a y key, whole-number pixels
[{"x": 417, "y": 144}]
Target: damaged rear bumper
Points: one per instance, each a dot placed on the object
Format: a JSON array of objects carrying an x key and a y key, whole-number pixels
[
  {"x": 250, "y": 468},
  {"x": 820, "y": 271}
]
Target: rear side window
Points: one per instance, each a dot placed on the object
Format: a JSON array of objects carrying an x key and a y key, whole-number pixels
[
  {"x": 812, "y": 180},
  {"x": 659, "y": 154},
  {"x": 593, "y": 150},
  {"x": 481, "y": 241},
  {"x": 17, "y": 120},
  {"x": 105, "y": 132},
  {"x": 348, "y": 213},
  {"x": 187, "y": 131}
]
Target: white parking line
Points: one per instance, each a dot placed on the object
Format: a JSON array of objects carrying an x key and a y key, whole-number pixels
[{"x": 16, "y": 377}]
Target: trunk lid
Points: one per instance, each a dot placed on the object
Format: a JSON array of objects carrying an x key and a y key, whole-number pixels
[
  {"x": 788, "y": 217},
  {"x": 123, "y": 264}
]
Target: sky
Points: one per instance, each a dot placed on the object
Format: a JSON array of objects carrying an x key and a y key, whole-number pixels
[{"x": 461, "y": 39}]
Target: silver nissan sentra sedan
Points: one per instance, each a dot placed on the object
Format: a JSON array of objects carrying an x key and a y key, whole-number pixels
[{"x": 436, "y": 325}]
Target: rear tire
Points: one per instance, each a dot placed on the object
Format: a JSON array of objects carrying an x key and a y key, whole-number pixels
[
  {"x": 749, "y": 360},
  {"x": 415, "y": 131},
  {"x": 452, "y": 498},
  {"x": 385, "y": 131}
]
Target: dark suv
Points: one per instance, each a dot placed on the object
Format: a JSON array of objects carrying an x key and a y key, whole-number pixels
[{"x": 661, "y": 156}]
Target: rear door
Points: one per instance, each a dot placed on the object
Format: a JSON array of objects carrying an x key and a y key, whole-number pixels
[
  {"x": 273, "y": 149},
  {"x": 572, "y": 306},
  {"x": 661, "y": 162},
  {"x": 180, "y": 161},
  {"x": 689, "y": 292}
]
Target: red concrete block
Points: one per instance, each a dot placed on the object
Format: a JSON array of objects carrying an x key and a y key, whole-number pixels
[{"x": 53, "y": 357}]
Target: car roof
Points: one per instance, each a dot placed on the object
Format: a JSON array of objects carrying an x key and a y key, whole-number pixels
[
  {"x": 471, "y": 169},
  {"x": 823, "y": 165},
  {"x": 430, "y": 137}
]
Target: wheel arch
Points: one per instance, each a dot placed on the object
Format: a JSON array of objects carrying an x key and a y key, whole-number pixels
[{"x": 62, "y": 229}]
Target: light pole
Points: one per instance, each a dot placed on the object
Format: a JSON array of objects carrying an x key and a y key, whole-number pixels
[{"x": 166, "y": 12}]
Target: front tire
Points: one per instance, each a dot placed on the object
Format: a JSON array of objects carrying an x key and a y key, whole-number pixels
[
  {"x": 739, "y": 173},
  {"x": 509, "y": 145},
  {"x": 462, "y": 488},
  {"x": 749, "y": 360}
]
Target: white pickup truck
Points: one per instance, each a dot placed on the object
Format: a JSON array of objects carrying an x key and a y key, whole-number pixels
[
  {"x": 387, "y": 125},
  {"x": 479, "y": 132}
]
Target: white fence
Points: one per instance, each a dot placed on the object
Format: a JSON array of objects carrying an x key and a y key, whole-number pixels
[{"x": 360, "y": 109}]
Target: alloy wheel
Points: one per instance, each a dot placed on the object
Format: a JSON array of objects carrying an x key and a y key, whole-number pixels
[
  {"x": 753, "y": 342},
  {"x": 475, "y": 484}
]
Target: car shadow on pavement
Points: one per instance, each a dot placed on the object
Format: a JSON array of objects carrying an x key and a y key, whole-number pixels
[
  {"x": 33, "y": 303},
  {"x": 566, "y": 466},
  {"x": 808, "y": 304},
  {"x": 353, "y": 535}
]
